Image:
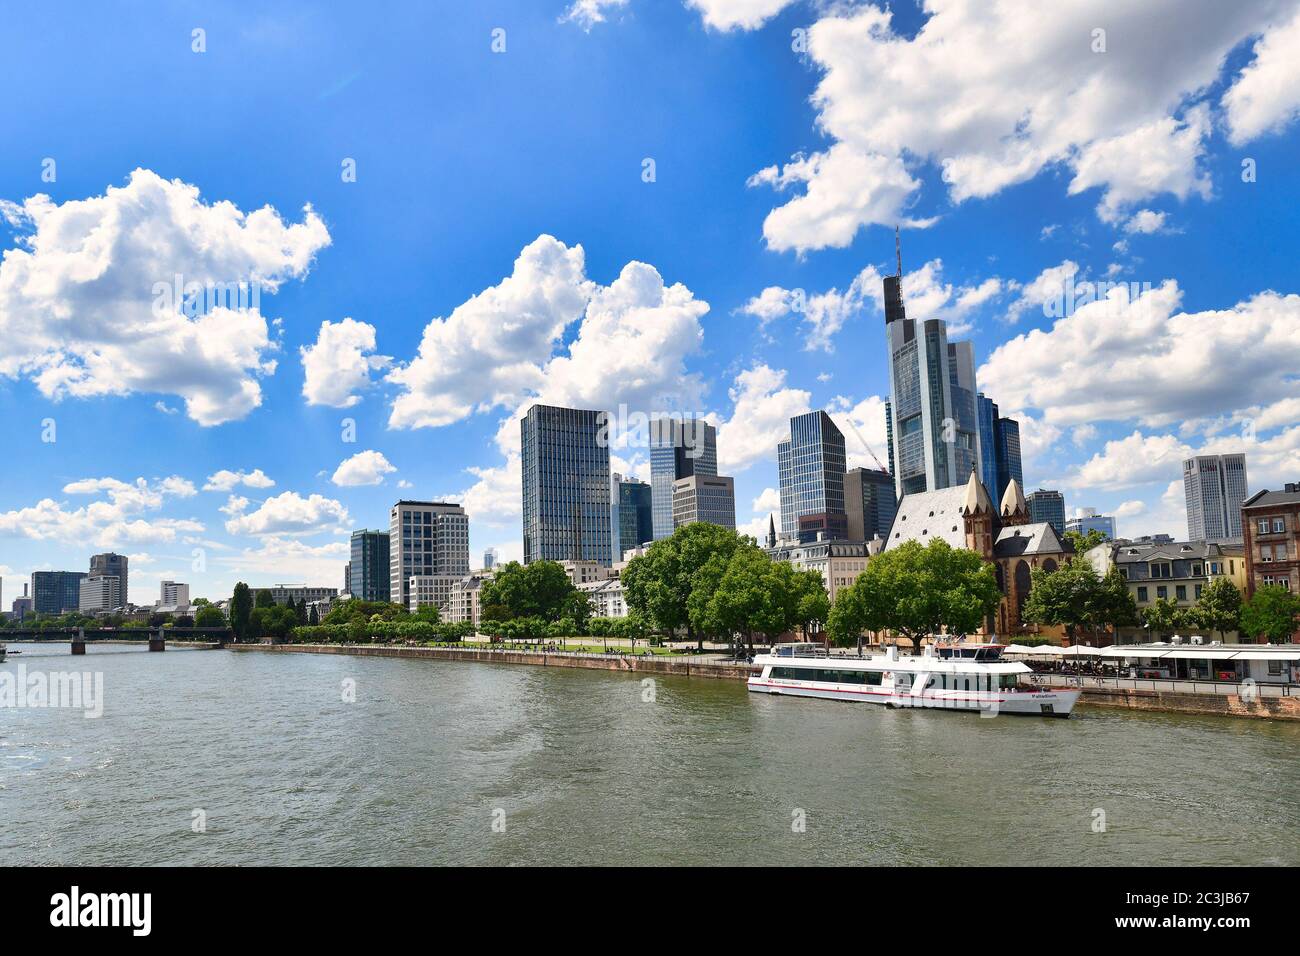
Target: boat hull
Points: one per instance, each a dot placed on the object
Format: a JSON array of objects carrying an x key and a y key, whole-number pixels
[{"x": 1048, "y": 702}]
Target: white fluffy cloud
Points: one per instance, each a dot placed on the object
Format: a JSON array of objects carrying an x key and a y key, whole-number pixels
[
  {"x": 742, "y": 14},
  {"x": 489, "y": 351},
  {"x": 224, "y": 480},
  {"x": 290, "y": 513},
  {"x": 363, "y": 468},
  {"x": 1266, "y": 96},
  {"x": 587, "y": 13},
  {"x": 863, "y": 426},
  {"x": 925, "y": 292},
  {"x": 1123, "y": 121},
  {"x": 1136, "y": 459},
  {"x": 338, "y": 365},
  {"x": 115, "y": 520},
  {"x": 769, "y": 500},
  {"x": 87, "y": 303},
  {"x": 1116, "y": 359},
  {"x": 763, "y": 406},
  {"x": 289, "y": 559}
]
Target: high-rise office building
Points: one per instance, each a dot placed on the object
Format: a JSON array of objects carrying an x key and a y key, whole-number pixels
[
  {"x": 1215, "y": 486},
  {"x": 811, "y": 466},
  {"x": 932, "y": 415},
  {"x": 425, "y": 538},
  {"x": 110, "y": 564},
  {"x": 869, "y": 503},
  {"x": 999, "y": 448},
  {"x": 371, "y": 568},
  {"x": 173, "y": 594},
  {"x": 710, "y": 498},
  {"x": 99, "y": 593},
  {"x": 633, "y": 518},
  {"x": 566, "y": 500},
  {"x": 679, "y": 448},
  {"x": 1048, "y": 506},
  {"x": 1088, "y": 520},
  {"x": 56, "y": 592},
  {"x": 489, "y": 559}
]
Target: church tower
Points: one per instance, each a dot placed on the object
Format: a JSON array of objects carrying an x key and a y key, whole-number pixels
[
  {"x": 977, "y": 510},
  {"x": 1015, "y": 510}
]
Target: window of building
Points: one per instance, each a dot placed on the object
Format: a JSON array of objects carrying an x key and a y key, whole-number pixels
[
  {"x": 1142, "y": 595},
  {"x": 1198, "y": 591},
  {"x": 1279, "y": 525},
  {"x": 1162, "y": 592},
  {"x": 1180, "y": 592},
  {"x": 1263, "y": 526}
]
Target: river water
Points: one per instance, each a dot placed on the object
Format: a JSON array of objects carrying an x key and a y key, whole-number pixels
[{"x": 217, "y": 757}]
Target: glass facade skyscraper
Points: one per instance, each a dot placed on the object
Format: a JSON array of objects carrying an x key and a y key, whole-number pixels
[
  {"x": 869, "y": 503},
  {"x": 1049, "y": 507},
  {"x": 369, "y": 572},
  {"x": 633, "y": 522},
  {"x": 54, "y": 592},
  {"x": 679, "y": 448},
  {"x": 932, "y": 414},
  {"x": 999, "y": 449},
  {"x": 1215, "y": 487},
  {"x": 566, "y": 486},
  {"x": 811, "y": 465}
]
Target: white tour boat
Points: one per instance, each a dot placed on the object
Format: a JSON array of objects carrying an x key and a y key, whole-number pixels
[{"x": 945, "y": 676}]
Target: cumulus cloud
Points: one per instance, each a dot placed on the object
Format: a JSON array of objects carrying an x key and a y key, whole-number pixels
[
  {"x": 363, "y": 468},
  {"x": 738, "y": 14},
  {"x": 762, "y": 408},
  {"x": 88, "y": 305},
  {"x": 768, "y": 500},
  {"x": 290, "y": 513},
  {"x": 863, "y": 426},
  {"x": 338, "y": 365},
  {"x": 224, "y": 480},
  {"x": 289, "y": 559},
  {"x": 1266, "y": 96},
  {"x": 587, "y": 13},
  {"x": 116, "y": 519},
  {"x": 926, "y": 294},
  {"x": 1128, "y": 124},
  {"x": 1141, "y": 359}
]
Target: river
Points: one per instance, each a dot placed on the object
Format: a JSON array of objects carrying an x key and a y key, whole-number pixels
[{"x": 217, "y": 757}]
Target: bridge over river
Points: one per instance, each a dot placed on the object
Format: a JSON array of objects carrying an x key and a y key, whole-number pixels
[{"x": 157, "y": 638}]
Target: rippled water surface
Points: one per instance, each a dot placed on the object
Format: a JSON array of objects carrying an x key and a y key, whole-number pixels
[{"x": 583, "y": 771}]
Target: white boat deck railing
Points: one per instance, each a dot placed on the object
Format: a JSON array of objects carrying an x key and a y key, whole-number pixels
[{"x": 1208, "y": 688}]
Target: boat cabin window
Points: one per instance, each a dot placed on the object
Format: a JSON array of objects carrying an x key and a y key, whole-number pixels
[{"x": 827, "y": 675}]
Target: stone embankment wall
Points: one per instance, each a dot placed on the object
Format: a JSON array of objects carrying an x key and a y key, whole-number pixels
[{"x": 683, "y": 666}]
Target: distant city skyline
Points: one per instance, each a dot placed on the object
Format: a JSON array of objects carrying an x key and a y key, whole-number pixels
[{"x": 420, "y": 285}]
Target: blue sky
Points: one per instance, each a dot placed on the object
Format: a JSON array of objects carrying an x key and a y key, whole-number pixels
[{"x": 500, "y": 197}]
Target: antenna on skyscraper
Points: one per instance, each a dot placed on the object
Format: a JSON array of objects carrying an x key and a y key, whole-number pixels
[{"x": 898, "y": 251}]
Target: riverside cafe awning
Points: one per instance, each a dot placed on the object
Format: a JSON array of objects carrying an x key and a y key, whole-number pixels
[{"x": 1212, "y": 661}]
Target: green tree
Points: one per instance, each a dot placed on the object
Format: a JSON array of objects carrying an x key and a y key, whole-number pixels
[
  {"x": 915, "y": 591},
  {"x": 1271, "y": 613},
  {"x": 754, "y": 594},
  {"x": 540, "y": 590},
  {"x": 664, "y": 584},
  {"x": 428, "y": 613},
  {"x": 813, "y": 607},
  {"x": 313, "y": 618},
  {"x": 264, "y": 599},
  {"x": 241, "y": 607},
  {"x": 209, "y": 616},
  {"x": 1219, "y": 607},
  {"x": 1163, "y": 617},
  {"x": 1076, "y": 597},
  {"x": 1085, "y": 542}
]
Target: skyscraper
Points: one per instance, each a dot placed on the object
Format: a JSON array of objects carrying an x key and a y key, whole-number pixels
[
  {"x": 811, "y": 464},
  {"x": 633, "y": 514},
  {"x": 1089, "y": 520},
  {"x": 1215, "y": 486},
  {"x": 869, "y": 503},
  {"x": 999, "y": 448},
  {"x": 679, "y": 448},
  {"x": 427, "y": 539},
  {"x": 370, "y": 570},
  {"x": 704, "y": 498},
  {"x": 55, "y": 592},
  {"x": 1048, "y": 506},
  {"x": 566, "y": 500},
  {"x": 932, "y": 413},
  {"x": 112, "y": 565}
]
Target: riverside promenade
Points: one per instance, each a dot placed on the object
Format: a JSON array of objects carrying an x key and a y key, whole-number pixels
[
  {"x": 1184, "y": 697},
  {"x": 684, "y": 665}
]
